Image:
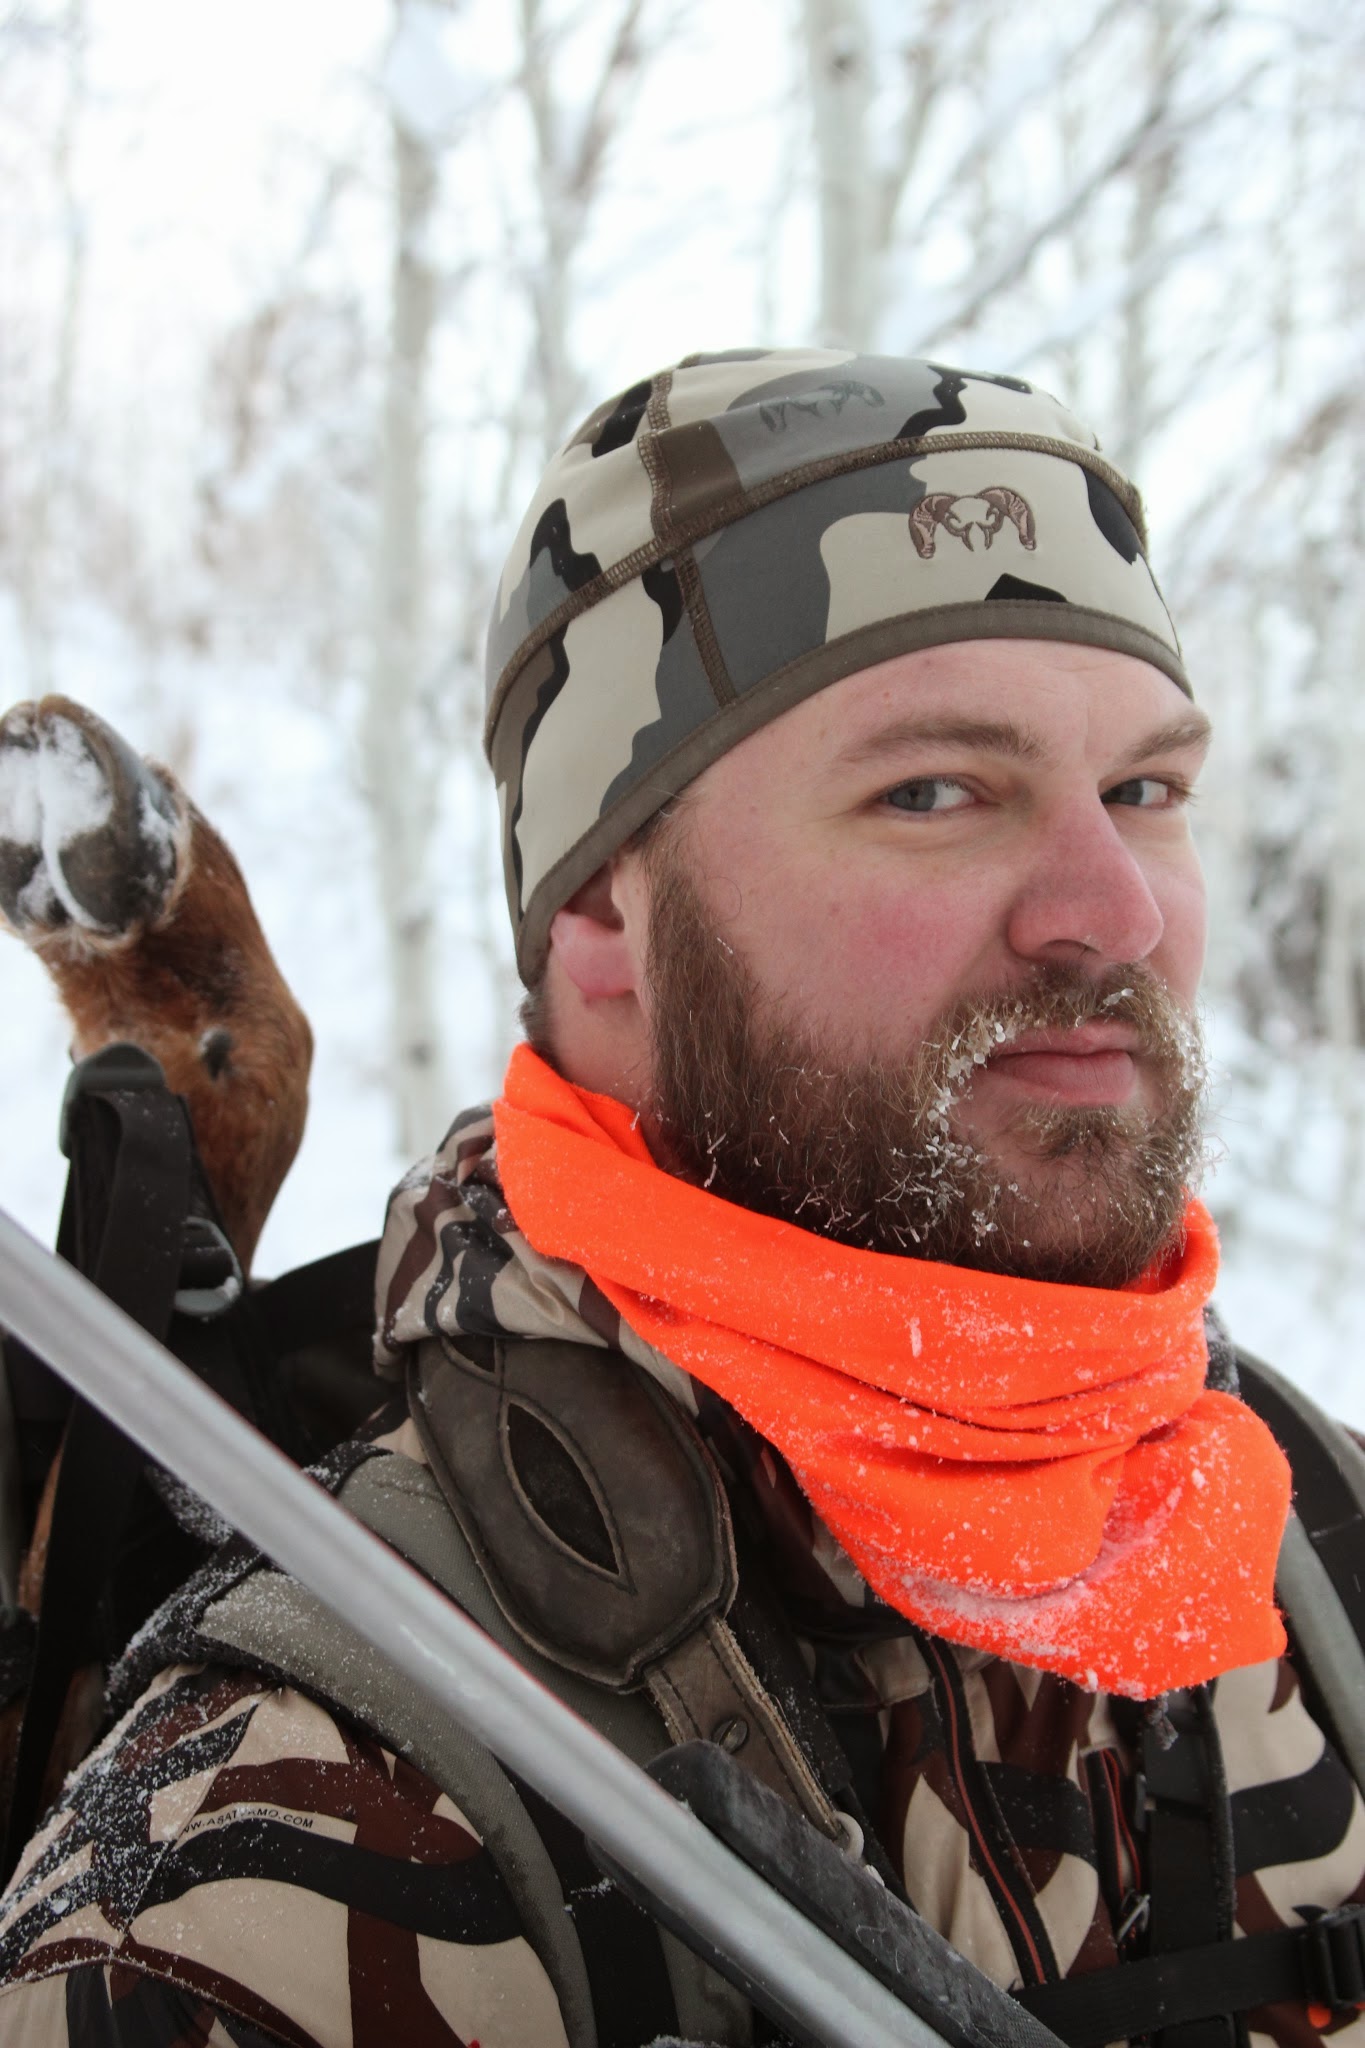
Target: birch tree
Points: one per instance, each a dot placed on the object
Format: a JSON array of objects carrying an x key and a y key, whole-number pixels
[
  {"x": 573, "y": 136},
  {"x": 401, "y": 765},
  {"x": 839, "y": 56},
  {"x": 424, "y": 695},
  {"x": 46, "y": 526},
  {"x": 1149, "y": 191}
]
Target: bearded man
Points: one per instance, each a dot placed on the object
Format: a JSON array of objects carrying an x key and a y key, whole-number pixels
[{"x": 844, "y": 1186}]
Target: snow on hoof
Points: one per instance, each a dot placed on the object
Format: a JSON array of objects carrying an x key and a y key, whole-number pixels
[{"x": 92, "y": 839}]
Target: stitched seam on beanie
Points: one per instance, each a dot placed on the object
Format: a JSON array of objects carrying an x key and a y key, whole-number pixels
[
  {"x": 647, "y": 446},
  {"x": 703, "y": 627},
  {"x": 737, "y": 507},
  {"x": 661, "y": 517}
]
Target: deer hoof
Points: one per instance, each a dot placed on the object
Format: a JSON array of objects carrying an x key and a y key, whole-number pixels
[{"x": 92, "y": 839}]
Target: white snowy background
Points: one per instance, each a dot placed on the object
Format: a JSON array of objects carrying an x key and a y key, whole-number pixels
[{"x": 295, "y": 298}]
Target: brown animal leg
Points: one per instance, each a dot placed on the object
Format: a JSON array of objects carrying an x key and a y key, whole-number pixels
[{"x": 142, "y": 918}]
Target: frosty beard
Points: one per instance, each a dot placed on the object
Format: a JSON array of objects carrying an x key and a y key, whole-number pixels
[{"x": 747, "y": 1104}]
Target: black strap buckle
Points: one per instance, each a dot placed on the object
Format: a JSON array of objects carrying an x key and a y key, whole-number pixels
[
  {"x": 1334, "y": 1959},
  {"x": 210, "y": 1274}
]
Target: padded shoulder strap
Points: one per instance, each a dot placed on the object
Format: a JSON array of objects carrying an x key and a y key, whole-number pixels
[
  {"x": 599, "y": 1520},
  {"x": 1329, "y": 1476},
  {"x": 595, "y": 1511},
  {"x": 1320, "y": 1579},
  {"x": 618, "y": 1978}
]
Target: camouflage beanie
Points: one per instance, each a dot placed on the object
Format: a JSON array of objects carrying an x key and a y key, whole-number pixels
[{"x": 734, "y": 534}]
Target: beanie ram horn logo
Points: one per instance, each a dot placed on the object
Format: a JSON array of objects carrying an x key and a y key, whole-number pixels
[{"x": 985, "y": 511}]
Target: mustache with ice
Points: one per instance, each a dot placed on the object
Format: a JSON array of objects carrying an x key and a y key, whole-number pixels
[{"x": 949, "y": 1172}]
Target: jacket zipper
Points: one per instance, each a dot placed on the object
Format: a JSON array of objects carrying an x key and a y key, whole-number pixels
[{"x": 1027, "y": 1936}]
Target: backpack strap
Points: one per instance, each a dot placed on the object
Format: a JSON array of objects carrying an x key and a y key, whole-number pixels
[
  {"x": 129, "y": 1192},
  {"x": 619, "y": 1978},
  {"x": 140, "y": 1220},
  {"x": 1194, "y": 1988},
  {"x": 1320, "y": 1579},
  {"x": 602, "y": 1528},
  {"x": 1184, "y": 1809}
]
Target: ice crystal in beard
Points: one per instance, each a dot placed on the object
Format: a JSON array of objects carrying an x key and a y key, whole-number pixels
[{"x": 874, "y": 1153}]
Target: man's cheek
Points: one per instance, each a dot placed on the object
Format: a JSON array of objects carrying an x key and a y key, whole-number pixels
[
  {"x": 862, "y": 953},
  {"x": 886, "y": 968},
  {"x": 1182, "y": 897},
  {"x": 1186, "y": 945},
  {"x": 913, "y": 946}
]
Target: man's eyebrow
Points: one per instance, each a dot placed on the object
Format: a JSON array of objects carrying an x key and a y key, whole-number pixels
[
  {"x": 1010, "y": 741},
  {"x": 984, "y": 735},
  {"x": 1193, "y": 729}
]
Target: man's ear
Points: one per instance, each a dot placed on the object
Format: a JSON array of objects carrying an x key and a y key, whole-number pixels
[{"x": 596, "y": 937}]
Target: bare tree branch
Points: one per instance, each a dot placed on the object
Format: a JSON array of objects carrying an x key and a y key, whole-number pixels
[
  {"x": 602, "y": 119},
  {"x": 1156, "y": 127},
  {"x": 924, "y": 65}
]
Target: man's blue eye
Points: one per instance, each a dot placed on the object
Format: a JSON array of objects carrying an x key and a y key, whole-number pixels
[
  {"x": 929, "y": 793},
  {"x": 1145, "y": 792}
]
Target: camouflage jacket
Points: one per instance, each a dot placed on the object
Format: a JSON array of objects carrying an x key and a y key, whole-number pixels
[{"x": 240, "y": 1862}]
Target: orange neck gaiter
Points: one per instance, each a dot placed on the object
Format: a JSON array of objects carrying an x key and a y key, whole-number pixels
[{"x": 1036, "y": 1470}]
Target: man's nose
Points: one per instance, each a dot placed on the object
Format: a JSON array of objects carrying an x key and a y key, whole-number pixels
[{"x": 1085, "y": 889}]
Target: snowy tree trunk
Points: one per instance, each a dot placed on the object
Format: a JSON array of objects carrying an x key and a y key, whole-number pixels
[
  {"x": 550, "y": 284},
  {"x": 400, "y": 757},
  {"x": 44, "y": 521},
  {"x": 837, "y": 46},
  {"x": 1149, "y": 191},
  {"x": 572, "y": 146}
]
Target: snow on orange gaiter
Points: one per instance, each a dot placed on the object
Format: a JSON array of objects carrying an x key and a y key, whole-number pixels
[{"x": 1033, "y": 1469}]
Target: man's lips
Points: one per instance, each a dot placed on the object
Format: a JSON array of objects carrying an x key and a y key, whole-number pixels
[
  {"x": 1077, "y": 1041},
  {"x": 1088, "y": 1065}
]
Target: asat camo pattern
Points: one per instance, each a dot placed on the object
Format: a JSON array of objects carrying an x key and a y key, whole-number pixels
[
  {"x": 730, "y": 535},
  {"x": 237, "y": 1864}
]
